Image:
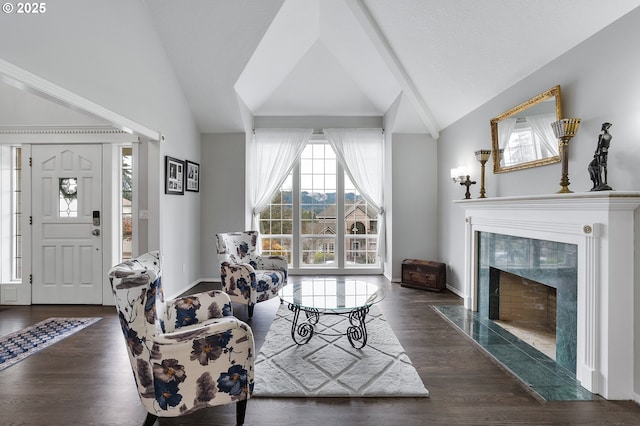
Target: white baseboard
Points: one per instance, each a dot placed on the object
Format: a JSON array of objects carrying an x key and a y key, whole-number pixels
[{"x": 455, "y": 291}]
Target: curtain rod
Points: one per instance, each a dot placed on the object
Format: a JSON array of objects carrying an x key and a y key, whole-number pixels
[{"x": 315, "y": 131}]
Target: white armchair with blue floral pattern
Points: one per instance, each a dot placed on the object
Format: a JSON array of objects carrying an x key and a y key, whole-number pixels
[
  {"x": 247, "y": 277},
  {"x": 186, "y": 354}
]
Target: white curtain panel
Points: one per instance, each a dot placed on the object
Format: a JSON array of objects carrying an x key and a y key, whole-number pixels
[
  {"x": 272, "y": 155},
  {"x": 505, "y": 127},
  {"x": 542, "y": 128},
  {"x": 361, "y": 153}
]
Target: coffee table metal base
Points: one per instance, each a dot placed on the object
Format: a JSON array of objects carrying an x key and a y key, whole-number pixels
[{"x": 303, "y": 331}]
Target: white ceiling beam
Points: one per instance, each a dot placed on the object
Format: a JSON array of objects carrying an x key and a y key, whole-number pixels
[
  {"x": 371, "y": 28},
  {"x": 24, "y": 80}
]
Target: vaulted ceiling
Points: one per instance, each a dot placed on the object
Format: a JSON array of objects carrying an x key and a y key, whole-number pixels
[
  {"x": 355, "y": 57},
  {"x": 437, "y": 60}
]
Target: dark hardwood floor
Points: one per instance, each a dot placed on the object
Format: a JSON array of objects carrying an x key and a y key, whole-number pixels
[{"x": 86, "y": 379}]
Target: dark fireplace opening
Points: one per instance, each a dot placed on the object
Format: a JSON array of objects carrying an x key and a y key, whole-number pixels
[{"x": 525, "y": 308}]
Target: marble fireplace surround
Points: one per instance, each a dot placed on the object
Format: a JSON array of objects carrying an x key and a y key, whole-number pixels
[{"x": 605, "y": 228}]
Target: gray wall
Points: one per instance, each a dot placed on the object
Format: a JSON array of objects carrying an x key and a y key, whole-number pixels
[
  {"x": 415, "y": 193},
  {"x": 223, "y": 193},
  {"x": 599, "y": 82}
]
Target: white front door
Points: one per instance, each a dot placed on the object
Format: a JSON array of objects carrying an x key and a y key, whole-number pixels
[{"x": 66, "y": 241}]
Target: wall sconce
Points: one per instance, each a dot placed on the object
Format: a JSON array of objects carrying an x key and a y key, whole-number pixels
[
  {"x": 459, "y": 174},
  {"x": 482, "y": 156},
  {"x": 564, "y": 130}
]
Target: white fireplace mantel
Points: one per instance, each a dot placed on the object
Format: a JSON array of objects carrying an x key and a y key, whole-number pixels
[{"x": 603, "y": 226}]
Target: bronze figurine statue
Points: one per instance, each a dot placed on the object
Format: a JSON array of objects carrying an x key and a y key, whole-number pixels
[{"x": 598, "y": 166}]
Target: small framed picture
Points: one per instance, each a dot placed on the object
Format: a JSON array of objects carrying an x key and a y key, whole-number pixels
[
  {"x": 193, "y": 176},
  {"x": 173, "y": 176}
]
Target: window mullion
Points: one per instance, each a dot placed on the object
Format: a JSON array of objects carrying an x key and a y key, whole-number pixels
[
  {"x": 340, "y": 223},
  {"x": 296, "y": 253}
]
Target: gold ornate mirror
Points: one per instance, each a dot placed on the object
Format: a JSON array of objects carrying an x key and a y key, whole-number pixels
[{"x": 522, "y": 137}]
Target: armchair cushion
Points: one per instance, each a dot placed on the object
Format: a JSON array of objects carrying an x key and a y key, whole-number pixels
[
  {"x": 196, "y": 309},
  {"x": 246, "y": 285}
]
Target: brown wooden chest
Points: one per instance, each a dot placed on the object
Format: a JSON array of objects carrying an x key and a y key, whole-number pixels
[{"x": 424, "y": 274}]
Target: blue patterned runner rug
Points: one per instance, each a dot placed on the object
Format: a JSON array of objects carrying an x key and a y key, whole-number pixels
[{"x": 17, "y": 346}]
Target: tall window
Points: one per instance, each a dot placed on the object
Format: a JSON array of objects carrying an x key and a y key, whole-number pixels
[
  {"x": 126, "y": 215},
  {"x": 276, "y": 223},
  {"x": 361, "y": 227},
  {"x": 315, "y": 206},
  {"x": 318, "y": 207}
]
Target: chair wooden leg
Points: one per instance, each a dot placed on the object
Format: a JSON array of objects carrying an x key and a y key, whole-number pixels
[
  {"x": 241, "y": 409},
  {"x": 250, "y": 307},
  {"x": 150, "y": 420}
]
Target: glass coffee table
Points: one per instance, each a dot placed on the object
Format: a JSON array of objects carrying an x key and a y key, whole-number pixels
[{"x": 347, "y": 297}]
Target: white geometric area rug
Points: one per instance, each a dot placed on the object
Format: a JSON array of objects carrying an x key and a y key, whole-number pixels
[{"x": 328, "y": 366}]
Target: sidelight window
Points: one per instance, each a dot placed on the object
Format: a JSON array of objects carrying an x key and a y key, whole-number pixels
[
  {"x": 10, "y": 213},
  {"x": 126, "y": 199}
]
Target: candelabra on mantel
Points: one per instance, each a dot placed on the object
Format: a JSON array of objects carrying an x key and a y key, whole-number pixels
[
  {"x": 482, "y": 156},
  {"x": 564, "y": 130}
]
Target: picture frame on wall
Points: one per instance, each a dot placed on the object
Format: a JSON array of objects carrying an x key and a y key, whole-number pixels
[
  {"x": 193, "y": 176},
  {"x": 173, "y": 176}
]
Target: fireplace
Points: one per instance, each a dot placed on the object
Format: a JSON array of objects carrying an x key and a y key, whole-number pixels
[
  {"x": 515, "y": 262},
  {"x": 526, "y": 308},
  {"x": 593, "y": 271}
]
